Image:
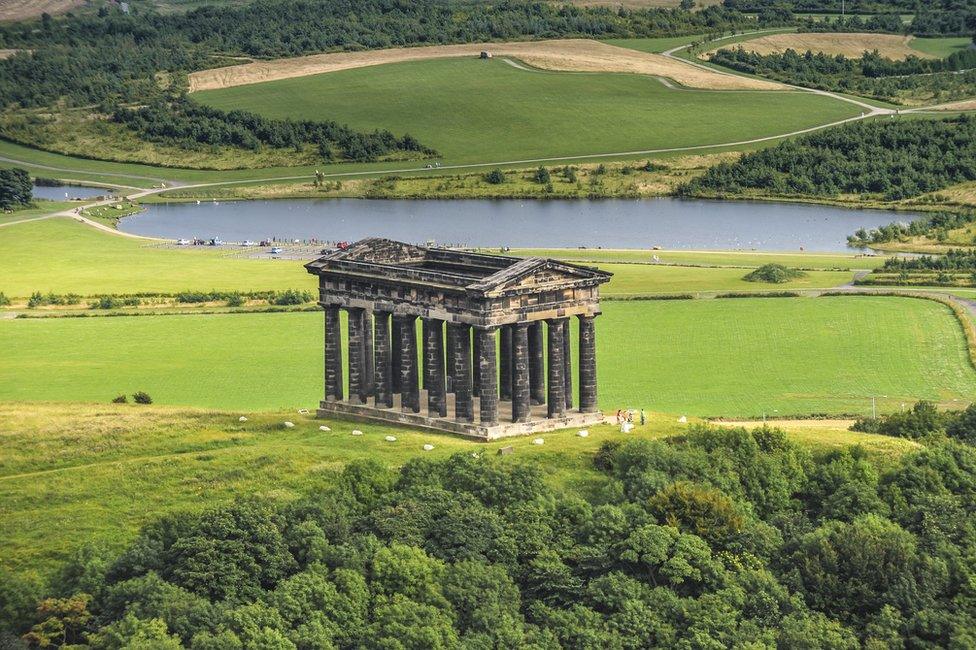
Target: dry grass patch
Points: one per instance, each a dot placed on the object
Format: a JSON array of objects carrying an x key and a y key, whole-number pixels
[
  {"x": 964, "y": 105},
  {"x": 575, "y": 55},
  {"x": 850, "y": 45},
  {"x": 23, "y": 9}
]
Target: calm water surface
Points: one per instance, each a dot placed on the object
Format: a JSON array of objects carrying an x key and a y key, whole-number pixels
[
  {"x": 616, "y": 223},
  {"x": 66, "y": 192}
]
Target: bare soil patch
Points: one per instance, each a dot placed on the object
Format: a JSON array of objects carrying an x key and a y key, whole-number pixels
[
  {"x": 576, "y": 55},
  {"x": 24, "y": 9},
  {"x": 891, "y": 46}
]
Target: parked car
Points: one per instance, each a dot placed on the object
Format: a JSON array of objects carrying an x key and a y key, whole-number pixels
[{"x": 276, "y": 250}]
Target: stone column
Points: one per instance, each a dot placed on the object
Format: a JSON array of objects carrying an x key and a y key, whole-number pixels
[
  {"x": 463, "y": 402},
  {"x": 395, "y": 354},
  {"x": 434, "y": 380},
  {"x": 521, "y": 404},
  {"x": 475, "y": 355},
  {"x": 568, "y": 363},
  {"x": 369, "y": 368},
  {"x": 537, "y": 364},
  {"x": 487, "y": 373},
  {"x": 357, "y": 356},
  {"x": 505, "y": 363},
  {"x": 557, "y": 386},
  {"x": 451, "y": 334},
  {"x": 383, "y": 386},
  {"x": 334, "y": 389},
  {"x": 587, "y": 364},
  {"x": 409, "y": 375}
]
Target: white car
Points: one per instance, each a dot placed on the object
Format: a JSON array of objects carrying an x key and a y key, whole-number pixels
[
  {"x": 276, "y": 250},
  {"x": 249, "y": 243}
]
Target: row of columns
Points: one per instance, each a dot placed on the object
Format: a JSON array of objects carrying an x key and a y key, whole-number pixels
[{"x": 382, "y": 359}]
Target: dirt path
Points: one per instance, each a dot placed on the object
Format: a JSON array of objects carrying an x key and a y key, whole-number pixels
[{"x": 572, "y": 55}]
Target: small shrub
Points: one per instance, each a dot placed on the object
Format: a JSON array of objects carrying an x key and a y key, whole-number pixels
[
  {"x": 121, "y": 399},
  {"x": 131, "y": 302},
  {"x": 35, "y": 300},
  {"x": 570, "y": 174},
  {"x": 141, "y": 397},
  {"x": 290, "y": 297},
  {"x": 542, "y": 176},
  {"x": 495, "y": 177},
  {"x": 72, "y": 299},
  {"x": 773, "y": 274},
  {"x": 4, "y": 300},
  {"x": 235, "y": 300},
  {"x": 106, "y": 302}
]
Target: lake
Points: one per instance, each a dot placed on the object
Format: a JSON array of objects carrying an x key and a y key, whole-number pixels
[
  {"x": 614, "y": 223},
  {"x": 65, "y": 192}
]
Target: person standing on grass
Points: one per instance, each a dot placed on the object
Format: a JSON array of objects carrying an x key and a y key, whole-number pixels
[{"x": 643, "y": 419}]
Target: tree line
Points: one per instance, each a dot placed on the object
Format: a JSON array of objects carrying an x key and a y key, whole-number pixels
[
  {"x": 16, "y": 189},
  {"x": 188, "y": 124},
  {"x": 870, "y": 75},
  {"x": 719, "y": 538},
  {"x": 935, "y": 226},
  {"x": 890, "y": 158},
  {"x": 956, "y": 259},
  {"x": 929, "y": 17}
]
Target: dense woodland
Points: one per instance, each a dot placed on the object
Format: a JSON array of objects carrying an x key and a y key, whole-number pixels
[
  {"x": 109, "y": 59},
  {"x": 188, "y": 124},
  {"x": 891, "y": 158},
  {"x": 721, "y": 538},
  {"x": 16, "y": 189}
]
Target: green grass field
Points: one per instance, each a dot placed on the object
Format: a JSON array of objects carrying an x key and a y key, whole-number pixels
[
  {"x": 706, "y": 357},
  {"x": 40, "y": 208},
  {"x": 71, "y": 473},
  {"x": 751, "y": 259},
  {"x": 940, "y": 47},
  {"x": 63, "y": 256},
  {"x": 472, "y": 110}
]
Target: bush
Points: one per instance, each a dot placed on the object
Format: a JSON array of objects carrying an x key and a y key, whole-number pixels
[
  {"x": 141, "y": 397},
  {"x": 542, "y": 176},
  {"x": 120, "y": 399},
  {"x": 4, "y": 300},
  {"x": 495, "y": 177},
  {"x": 106, "y": 302},
  {"x": 773, "y": 274},
  {"x": 290, "y": 297},
  {"x": 35, "y": 300},
  {"x": 235, "y": 300}
]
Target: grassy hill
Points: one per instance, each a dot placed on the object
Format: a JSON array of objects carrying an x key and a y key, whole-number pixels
[
  {"x": 138, "y": 463},
  {"x": 471, "y": 110}
]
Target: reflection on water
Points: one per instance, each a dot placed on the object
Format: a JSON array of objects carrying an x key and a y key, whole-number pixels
[
  {"x": 615, "y": 223},
  {"x": 65, "y": 192}
]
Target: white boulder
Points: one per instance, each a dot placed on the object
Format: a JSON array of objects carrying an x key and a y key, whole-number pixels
[
  {"x": 357, "y": 432},
  {"x": 583, "y": 434},
  {"x": 683, "y": 419},
  {"x": 428, "y": 447},
  {"x": 289, "y": 425},
  {"x": 242, "y": 419},
  {"x": 324, "y": 428},
  {"x": 538, "y": 441},
  {"x": 390, "y": 438}
]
